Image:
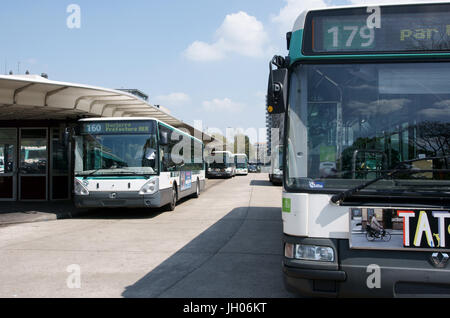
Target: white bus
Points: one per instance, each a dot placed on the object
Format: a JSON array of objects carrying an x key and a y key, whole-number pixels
[
  {"x": 135, "y": 162},
  {"x": 241, "y": 162},
  {"x": 276, "y": 166},
  {"x": 366, "y": 186},
  {"x": 221, "y": 164}
]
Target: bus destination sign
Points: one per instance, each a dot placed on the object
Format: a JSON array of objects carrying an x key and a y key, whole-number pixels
[
  {"x": 117, "y": 127},
  {"x": 386, "y": 29}
]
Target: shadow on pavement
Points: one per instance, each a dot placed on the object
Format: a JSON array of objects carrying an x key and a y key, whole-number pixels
[
  {"x": 238, "y": 256},
  {"x": 262, "y": 183},
  {"x": 24, "y": 212},
  {"x": 33, "y": 207},
  {"x": 128, "y": 213}
]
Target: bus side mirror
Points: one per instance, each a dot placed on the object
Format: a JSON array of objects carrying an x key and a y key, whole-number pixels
[
  {"x": 163, "y": 138},
  {"x": 277, "y": 87},
  {"x": 167, "y": 159},
  {"x": 69, "y": 133}
]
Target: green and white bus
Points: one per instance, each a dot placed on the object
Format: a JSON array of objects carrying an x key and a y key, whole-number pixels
[
  {"x": 276, "y": 165},
  {"x": 241, "y": 162},
  {"x": 221, "y": 164},
  {"x": 135, "y": 162},
  {"x": 366, "y": 191}
]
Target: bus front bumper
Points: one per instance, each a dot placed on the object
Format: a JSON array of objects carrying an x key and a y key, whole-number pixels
[
  {"x": 365, "y": 273},
  {"x": 220, "y": 174},
  {"x": 126, "y": 199},
  {"x": 276, "y": 178}
]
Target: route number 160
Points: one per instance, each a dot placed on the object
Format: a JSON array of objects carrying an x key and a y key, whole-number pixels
[{"x": 94, "y": 128}]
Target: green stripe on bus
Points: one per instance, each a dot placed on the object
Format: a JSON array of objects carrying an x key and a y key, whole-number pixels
[{"x": 286, "y": 205}]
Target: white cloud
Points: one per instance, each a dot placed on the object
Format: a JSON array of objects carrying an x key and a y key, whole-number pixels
[
  {"x": 289, "y": 13},
  {"x": 390, "y": 1},
  {"x": 173, "y": 99},
  {"x": 239, "y": 33},
  {"x": 219, "y": 105},
  {"x": 201, "y": 51},
  {"x": 439, "y": 110}
]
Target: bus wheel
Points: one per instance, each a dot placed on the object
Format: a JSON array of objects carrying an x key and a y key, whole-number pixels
[
  {"x": 197, "y": 192},
  {"x": 173, "y": 203}
]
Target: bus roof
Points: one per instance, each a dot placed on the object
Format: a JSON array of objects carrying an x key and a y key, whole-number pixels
[{"x": 299, "y": 23}]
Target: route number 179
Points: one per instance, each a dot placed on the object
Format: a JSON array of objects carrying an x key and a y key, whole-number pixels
[{"x": 351, "y": 36}]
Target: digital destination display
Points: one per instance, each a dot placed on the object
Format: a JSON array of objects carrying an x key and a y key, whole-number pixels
[
  {"x": 385, "y": 29},
  {"x": 117, "y": 127}
]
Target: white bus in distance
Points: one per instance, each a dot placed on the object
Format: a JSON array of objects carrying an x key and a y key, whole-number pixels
[
  {"x": 241, "y": 162},
  {"x": 135, "y": 162},
  {"x": 221, "y": 164}
]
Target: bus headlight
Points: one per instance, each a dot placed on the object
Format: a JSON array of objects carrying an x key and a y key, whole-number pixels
[
  {"x": 79, "y": 188},
  {"x": 150, "y": 187},
  {"x": 309, "y": 252}
]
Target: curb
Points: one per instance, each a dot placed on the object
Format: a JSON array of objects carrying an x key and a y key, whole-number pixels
[{"x": 13, "y": 218}]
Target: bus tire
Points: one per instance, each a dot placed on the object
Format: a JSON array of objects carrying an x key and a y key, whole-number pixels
[
  {"x": 197, "y": 191},
  {"x": 173, "y": 203}
]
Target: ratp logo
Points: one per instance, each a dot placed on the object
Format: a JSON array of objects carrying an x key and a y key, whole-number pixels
[{"x": 74, "y": 19}]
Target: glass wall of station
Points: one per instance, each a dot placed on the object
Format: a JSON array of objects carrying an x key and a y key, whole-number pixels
[{"x": 35, "y": 163}]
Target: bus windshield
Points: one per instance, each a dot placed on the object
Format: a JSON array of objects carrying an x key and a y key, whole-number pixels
[
  {"x": 116, "y": 154},
  {"x": 241, "y": 161},
  {"x": 221, "y": 160},
  {"x": 350, "y": 123}
]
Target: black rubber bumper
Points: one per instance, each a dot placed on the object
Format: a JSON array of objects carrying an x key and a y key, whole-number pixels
[
  {"x": 220, "y": 174},
  {"x": 315, "y": 274},
  {"x": 365, "y": 273},
  {"x": 277, "y": 178}
]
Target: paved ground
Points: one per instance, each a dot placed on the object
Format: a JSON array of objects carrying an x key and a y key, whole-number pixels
[
  {"x": 227, "y": 243},
  {"x": 26, "y": 212}
]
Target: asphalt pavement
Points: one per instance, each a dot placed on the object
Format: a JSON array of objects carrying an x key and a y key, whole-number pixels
[{"x": 227, "y": 243}]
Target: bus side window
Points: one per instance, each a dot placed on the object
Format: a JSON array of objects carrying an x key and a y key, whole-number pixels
[{"x": 165, "y": 152}]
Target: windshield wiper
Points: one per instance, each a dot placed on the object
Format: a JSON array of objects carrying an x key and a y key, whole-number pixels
[
  {"x": 134, "y": 173},
  {"x": 128, "y": 171},
  {"x": 91, "y": 173},
  {"x": 341, "y": 196}
]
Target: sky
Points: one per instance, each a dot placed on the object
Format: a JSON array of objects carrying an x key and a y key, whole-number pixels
[{"x": 204, "y": 60}]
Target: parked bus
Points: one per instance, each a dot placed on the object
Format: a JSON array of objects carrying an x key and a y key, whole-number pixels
[
  {"x": 221, "y": 164},
  {"x": 276, "y": 166},
  {"x": 241, "y": 162},
  {"x": 366, "y": 95},
  {"x": 135, "y": 162}
]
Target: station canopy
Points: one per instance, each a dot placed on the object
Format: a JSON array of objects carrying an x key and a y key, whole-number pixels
[{"x": 33, "y": 97}]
